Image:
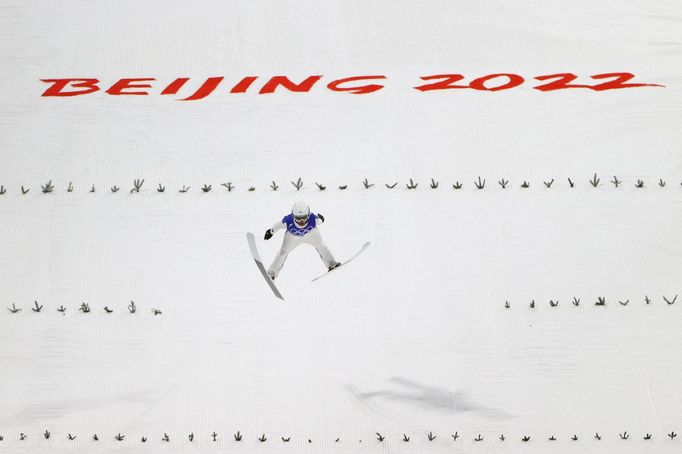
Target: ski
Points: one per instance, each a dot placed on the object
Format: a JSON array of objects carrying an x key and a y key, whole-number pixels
[
  {"x": 362, "y": 249},
  {"x": 259, "y": 263}
]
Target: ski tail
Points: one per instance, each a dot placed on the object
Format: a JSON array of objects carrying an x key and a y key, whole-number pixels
[
  {"x": 362, "y": 249},
  {"x": 259, "y": 263}
]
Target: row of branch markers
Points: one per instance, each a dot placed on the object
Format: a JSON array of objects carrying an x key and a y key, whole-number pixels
[
  {"x": 238, "y": 436},
  {"x": 358, "y": 85},
  {"x": 595, "y": 181}
]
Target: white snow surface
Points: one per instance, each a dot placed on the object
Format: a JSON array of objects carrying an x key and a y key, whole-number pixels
[{"x": 412, "y": 337}]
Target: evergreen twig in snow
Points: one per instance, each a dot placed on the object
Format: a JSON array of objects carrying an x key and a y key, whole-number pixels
[
  {"x": 47, "y": 188},
  {"x": 298, "y": 184},
  {"x": 137, "y": 185}
]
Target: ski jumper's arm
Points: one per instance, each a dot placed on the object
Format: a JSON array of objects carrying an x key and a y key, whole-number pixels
[
  {"x": 271, "y": 231},
  {"x": 278, "y": 226}
]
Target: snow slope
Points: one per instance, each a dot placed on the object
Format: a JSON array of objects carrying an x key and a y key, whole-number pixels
[{"x": 411, "y": 338}]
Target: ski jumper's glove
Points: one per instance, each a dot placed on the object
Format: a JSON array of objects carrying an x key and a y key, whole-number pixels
[
  {"x": 320, "y": 216},
  {"x": 268, "y": 234}
]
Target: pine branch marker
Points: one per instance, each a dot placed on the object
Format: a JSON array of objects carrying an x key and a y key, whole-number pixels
[
  {"x": 47, "y": 188},
  {"x": 298, "y": 184},
  {"x": 137, "y": 185}
]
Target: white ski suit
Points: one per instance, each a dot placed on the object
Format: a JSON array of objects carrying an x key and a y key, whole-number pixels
[{"x": 295, "y": 236}]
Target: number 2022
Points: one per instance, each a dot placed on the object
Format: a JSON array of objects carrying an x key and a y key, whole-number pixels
[{"x": 506, "y": 81}]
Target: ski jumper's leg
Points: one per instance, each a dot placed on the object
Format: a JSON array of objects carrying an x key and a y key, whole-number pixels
[
  {"x": 315, "y": 239},
  {"x": 289, "y": 243}
]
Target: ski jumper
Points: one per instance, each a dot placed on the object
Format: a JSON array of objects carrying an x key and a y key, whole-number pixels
[{"x": 295, "y": 236}]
